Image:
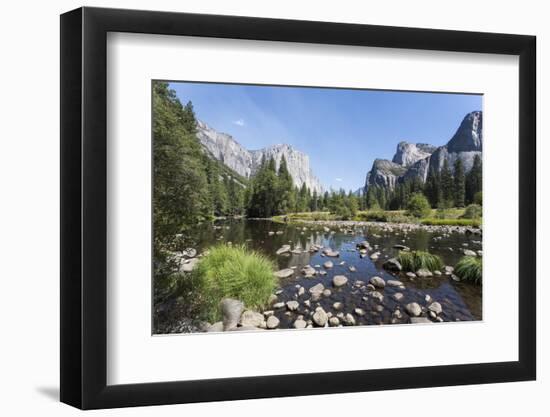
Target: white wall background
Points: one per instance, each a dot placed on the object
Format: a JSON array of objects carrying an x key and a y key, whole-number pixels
[{"x": 29, "y": 219}]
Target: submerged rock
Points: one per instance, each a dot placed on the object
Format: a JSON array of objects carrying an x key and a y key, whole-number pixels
[{"x": 339, "y": 281}]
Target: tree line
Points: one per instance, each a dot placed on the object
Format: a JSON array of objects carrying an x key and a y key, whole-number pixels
[{"x": 443, "y": 189}]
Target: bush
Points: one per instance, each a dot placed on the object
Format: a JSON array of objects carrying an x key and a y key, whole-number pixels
[
  {"x": 413, "y": 261},
  {"x": 232, "y": 272},
  {"x": 473, "y": 211},
  {"x": 470, "y": 268},
  {"x": 418, "y": 206}
]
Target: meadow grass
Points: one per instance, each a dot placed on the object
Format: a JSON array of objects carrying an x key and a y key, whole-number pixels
[
  {"x": 232, "y": 272},
  {"x": 470, "y": 268},
  {"x": 451, "y": 222},
  {"x": 413, "y": 261}
]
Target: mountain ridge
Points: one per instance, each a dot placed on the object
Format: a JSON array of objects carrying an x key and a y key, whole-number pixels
[{"x": 246, "y": 163}]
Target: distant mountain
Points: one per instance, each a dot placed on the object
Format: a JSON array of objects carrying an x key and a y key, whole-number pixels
[
  {"x": 415, "y": 160},
  {"x": 246, "y": 163}
]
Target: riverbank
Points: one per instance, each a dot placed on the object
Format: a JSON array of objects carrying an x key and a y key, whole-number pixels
[{"x": 390, "y": 226}]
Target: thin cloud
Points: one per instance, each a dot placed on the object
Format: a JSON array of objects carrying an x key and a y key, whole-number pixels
[
  {"x": 338, "y": 179},
  {"x": 239, "y": 122}
]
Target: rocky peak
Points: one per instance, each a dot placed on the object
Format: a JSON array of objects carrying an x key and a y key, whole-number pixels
[
  {"x": 226, "y": 149},
  {"x": 409, "y": 153},
  {"x": 468, "y": 136}
]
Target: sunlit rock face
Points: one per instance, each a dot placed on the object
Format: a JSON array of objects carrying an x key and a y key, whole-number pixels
[{"x": 246, "y": 163}]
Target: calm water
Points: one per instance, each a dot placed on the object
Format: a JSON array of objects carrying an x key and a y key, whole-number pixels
[{"x": 460, "y": 301}]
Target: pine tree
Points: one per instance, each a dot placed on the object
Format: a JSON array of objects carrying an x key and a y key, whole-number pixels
[
  {"x": 313, "y": 204},
  {"x": 459, "y": 183},
  {"x": 179, "y": 178},
  {"x": 447, "y": 184},
  {"x": 474, "y": 183},
  {"x": 432, "y": 189},
  {"x": 285, "y": 186}
]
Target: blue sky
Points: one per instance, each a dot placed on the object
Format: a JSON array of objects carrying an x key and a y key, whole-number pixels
[{"x": 341, "y": 130}]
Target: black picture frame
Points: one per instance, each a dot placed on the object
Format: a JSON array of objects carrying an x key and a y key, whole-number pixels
[{"x": 84, "y": 207}]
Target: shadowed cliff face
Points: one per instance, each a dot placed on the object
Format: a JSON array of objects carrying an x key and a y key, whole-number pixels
[
  {"x": 226, "y": 149},
  {"x": 415, "y": 160}
]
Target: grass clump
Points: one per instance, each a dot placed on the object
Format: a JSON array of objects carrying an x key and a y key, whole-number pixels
[
  {"x": 470, "y": 268},
  {"x": 415, "y": 260},
  {"x": 232, "y": 272}
]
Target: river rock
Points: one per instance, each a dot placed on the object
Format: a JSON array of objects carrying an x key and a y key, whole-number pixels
[
  {"x": 300, "y": 324},
  {"x": 435, "y": 307},
  {"x": 377, "y": 282},
  {"x": 377, "y": 296},
  {"x": 349, "y": 320},
  {"x": 338, "y": 305},
  {"x": 284, "y": 273},
  {"x": 189, "y": 265},
  {"x": 392, "y": 264},
  {"x": 307, "y": 303},
  {"x": 413, "y": 309},
  {"x": 317, "y": 289},
  {"x": 272, "y": 299},
  {"x": 468, "y": 252},
  {"x": 417, "y": 320},
  {"x": 437, "y": 273},
  {"x": 411, "y": 275},
  {"x": 401, "y": 247},
  {"x": 334, "y": 322},
  {"x": 331, "y": 253},
  {"x": 231, "y": 312},
  {"x": 292, "y": 305},
  {"x": 327, "y": 292},
  {"x": 189, "y": 253},
  {"x": 352, "y": 268},
  {"x": 320, "y": 317},
  {"x": 251, "y": 318},
  {"x": 216, "y": 327},
  {"x": 398, "y": 296},
  {"x": 279, "y": 305},
  {"x": 394, "y": 283},
  {"x": 308, "y": 271},
  {"x": 375, "y": 256},
  {"x": 359, "y": 311},
  {"x": 301, "y": 291},
  {"x": 323, "y": 273},
  {"x": 328, "y": 264},
  {"x": 424, "y": 273},
  {"x": 448, "y": 269},
  {"x": 272, "y": 322},
  {"x": 363, "y": 245},
  {"x": 326, "y": 229},
  {"x": 397, "y": 314},
  {"x": 283, "y": 249},
  {"x": 339, "y": 281}
]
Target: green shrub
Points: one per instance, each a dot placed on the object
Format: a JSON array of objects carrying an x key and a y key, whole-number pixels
[
  {"x": 470, "y": 268},
  {"x": 413, "y": 261},
  {"x": 232, "y": 272},
  {"x": 418, "y": 206},
  {"x": 473, "y": 211}
]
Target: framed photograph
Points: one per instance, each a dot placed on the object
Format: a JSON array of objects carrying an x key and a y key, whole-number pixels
[{"x": 257, "y": 208}]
